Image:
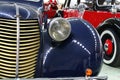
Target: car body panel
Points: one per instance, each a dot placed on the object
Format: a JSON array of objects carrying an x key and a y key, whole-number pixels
[
  {"x": 36, "y": 3},
  {"x": 98, "y": 17}
]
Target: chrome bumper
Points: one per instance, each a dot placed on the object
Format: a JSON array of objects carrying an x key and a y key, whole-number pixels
[{"x": 67, "y": 78}]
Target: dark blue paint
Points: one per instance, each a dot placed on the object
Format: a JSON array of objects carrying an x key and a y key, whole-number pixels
[
  {"x": 25, "y": 2},
  {"x": 8, "y": 10},
  {"x": 68, "y": 58}
]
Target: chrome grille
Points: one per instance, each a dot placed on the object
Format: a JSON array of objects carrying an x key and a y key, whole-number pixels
[{"x": 29, "y": 47}]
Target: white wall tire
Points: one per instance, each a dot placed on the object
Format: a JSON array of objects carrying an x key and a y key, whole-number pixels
[{"x": 114, "y": 58}]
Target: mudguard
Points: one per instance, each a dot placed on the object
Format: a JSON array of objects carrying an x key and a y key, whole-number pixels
[
  {"x": 110, "y": 23},
  {"x": 73, "y": 56}
]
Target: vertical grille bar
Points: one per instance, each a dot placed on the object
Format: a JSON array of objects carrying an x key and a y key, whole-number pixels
[{"x": 18, "y": 41}]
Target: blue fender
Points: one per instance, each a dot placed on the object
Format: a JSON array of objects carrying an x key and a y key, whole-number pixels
[{"x": 73, "y": 56}]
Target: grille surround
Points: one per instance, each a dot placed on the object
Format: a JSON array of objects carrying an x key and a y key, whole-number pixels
[{"x": 29, "y": 47}]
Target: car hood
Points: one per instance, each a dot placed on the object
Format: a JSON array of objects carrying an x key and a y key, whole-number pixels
[
  {"x": 35, "y": 3},
  {"x": 8, "y": 10}
]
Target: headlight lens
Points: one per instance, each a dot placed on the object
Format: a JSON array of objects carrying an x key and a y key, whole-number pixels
[{"x": 59, "y": 29}]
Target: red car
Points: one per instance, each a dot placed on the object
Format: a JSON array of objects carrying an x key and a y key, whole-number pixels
[{"x": 104, "y": 15}]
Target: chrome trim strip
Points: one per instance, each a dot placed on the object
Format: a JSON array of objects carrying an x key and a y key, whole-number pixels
[{"x": 18, "y": 39}]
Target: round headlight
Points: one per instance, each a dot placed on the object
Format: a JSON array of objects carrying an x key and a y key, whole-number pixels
[{"x": 59, "y": 29}]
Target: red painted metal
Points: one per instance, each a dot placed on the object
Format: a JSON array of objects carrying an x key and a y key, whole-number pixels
[
  {"x": 108, "y": 45},
  {"x": 51, "y": 1},
  {"x": 97, "y": 17},
  {"x": 71, "y": 13},
  {"x": 50, "y": 8},
  {"x": 94, "y": 17}
]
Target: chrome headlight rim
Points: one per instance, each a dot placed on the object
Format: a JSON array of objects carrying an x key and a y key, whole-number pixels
[{"x": 67, "y": 27}]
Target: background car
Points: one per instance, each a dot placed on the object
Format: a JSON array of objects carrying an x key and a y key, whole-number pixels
[
  {"x": 32, "y": 45},
  {"x": 105, "y": 16}
]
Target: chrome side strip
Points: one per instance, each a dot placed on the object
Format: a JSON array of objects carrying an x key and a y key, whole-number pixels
[{"x": 18, "y": 39}]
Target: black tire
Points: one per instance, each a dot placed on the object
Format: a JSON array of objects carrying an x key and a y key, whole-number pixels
[{"x": 111, "y": 45}]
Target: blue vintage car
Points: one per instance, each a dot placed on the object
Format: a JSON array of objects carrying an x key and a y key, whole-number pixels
[{"x": 33, "y": 47}]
